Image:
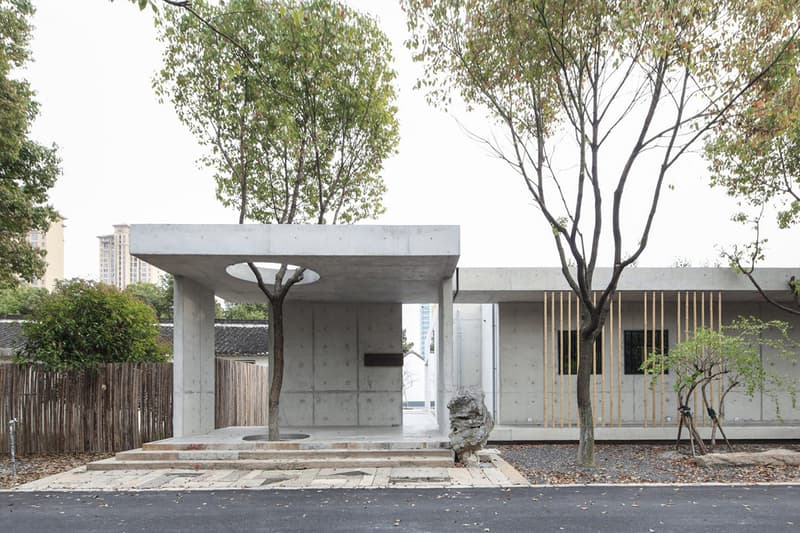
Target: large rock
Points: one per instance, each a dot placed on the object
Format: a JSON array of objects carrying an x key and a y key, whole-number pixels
[
  {"x": 777, "y": 457},
  {"x": 470, "y": 425}
]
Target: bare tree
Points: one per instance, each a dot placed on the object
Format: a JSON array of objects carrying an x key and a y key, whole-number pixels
[{"x": 562, "y": 79}]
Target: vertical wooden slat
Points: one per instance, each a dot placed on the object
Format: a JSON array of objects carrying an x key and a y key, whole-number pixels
[
  {"x": 569, "y": 359},
  {"x": 694, "y": 332},
  {"x": 661, "y": 351},
  {"x": 604, "y": 364},
  {"x": 610, "y": 362},
  {"x": 653, "y": 343},
  {"x": 560, "y": 359},
  {"x": 711, "y": 317},
  {"x": 594, "y": 374},
  {"x": 719, "y": 329},
  {"x": 545, "y": 331},
  {"x": 619, "y": 359},
  {"x": 553, "y": 357},
  {"x": 644, "y": 358}
]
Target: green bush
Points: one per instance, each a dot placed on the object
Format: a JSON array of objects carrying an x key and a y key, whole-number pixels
[
  {"x": 21, "y": 300},
  {"x": 83, "y": 323}
]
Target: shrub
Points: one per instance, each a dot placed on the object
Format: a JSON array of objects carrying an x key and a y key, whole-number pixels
[
  {"x": 83, "y": 323},
  {"x": 21, "y": 300}
]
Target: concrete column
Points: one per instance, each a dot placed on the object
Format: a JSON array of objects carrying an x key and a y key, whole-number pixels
[
  {"x": 445, "y": 367},
  {"x": 488, "y": 361},
  {"x": 193, "y": 368}
]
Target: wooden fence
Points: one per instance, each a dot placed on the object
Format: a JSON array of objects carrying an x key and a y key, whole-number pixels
[
  {"x": 116, "y": 407},
  {"x": 241, "y": 394}
]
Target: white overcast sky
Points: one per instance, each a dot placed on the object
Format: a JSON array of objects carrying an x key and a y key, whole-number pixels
[{"x": 127, "y": 159}]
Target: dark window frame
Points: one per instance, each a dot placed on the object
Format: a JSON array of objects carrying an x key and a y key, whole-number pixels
[
  {"x": 633, "y": 344},
  {"x": 564, "y": 358}
]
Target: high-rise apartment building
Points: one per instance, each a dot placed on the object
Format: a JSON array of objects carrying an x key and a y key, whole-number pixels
[
  {"x": 424, "y": 329},
  {"x": 117, "y": 266},
  {"x": 51, "y": 241}
]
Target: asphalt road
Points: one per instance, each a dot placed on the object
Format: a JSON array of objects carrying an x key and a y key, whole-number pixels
[{"x": 617, "y": 509}]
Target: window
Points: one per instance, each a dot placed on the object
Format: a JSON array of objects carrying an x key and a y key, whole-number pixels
[
  {"x": 635, "y": 347},
  {"x": 568, "y": 356}
]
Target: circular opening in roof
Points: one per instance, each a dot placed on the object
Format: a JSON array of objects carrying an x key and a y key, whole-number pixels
[{"x": 268, "y": 271}]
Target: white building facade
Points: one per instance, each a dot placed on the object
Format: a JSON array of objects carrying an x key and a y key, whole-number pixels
[
  {"x": 52, "y": 242},
  {"x": 117, "y": 266}
]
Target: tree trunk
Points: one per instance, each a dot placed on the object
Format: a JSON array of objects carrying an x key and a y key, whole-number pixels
[
  {"x": 276, "y": 321},
  {"x": 585, "y": 416}
]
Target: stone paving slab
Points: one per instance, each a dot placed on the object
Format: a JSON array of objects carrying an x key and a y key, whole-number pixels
[{"x": 492, "y": 472}]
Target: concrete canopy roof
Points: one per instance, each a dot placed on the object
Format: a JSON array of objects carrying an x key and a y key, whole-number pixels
[
  {"x": 398, "y": 264},
  {"x": 493, "y": 285}
]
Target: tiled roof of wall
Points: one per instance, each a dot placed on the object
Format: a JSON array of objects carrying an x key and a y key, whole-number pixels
[{"x": 231, "y": 337}]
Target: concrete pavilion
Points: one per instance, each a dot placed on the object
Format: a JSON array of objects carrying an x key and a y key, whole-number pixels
[
  {"x": 343, "y": 325},
  {"x": 509, "y": 332}
]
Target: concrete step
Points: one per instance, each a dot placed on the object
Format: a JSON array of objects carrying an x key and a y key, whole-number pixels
[
  {"x": 299, "y": 445},
  {"x": 275, "y": 464},
  {"x": 231, "y": 455}
]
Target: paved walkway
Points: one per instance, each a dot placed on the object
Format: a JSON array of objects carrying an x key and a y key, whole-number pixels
[{"x": 493, "y": 472}]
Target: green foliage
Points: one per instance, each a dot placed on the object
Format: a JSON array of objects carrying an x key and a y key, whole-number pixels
[
  {"x": 297, "y": 116},
  {"x": 21, "y": 300},
  {"x": 755, "y": 155},
  {"x": 565, "y": 80},
  {"x": 159, "y": 297},
  {"x": 245, "y": 312},
  {"x": 83, "y": 323},
  {"x": 734, "y": 354},
  {"x": 27, "y": 169},
  {"x": 407, "y": 345}
]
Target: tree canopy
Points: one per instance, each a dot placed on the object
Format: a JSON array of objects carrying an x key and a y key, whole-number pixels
[
  {"x": 83, "y": 323},
  {"x": 596, "y": 99},
  {"x": 27, "y": 169},
  {"x": 245, "y": 312},
  {"x": 299, "y": 131},
  {"x": 21, "y": 300},
  {"x": 755, "y": 157},
  {"x": 294, "y": 101},
  {"x": 159, "y": 297}
]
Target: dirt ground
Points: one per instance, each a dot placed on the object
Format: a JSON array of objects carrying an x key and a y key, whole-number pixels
[
  {"x": 639, "y": 463},
  {"x": 37, "y": 466}
]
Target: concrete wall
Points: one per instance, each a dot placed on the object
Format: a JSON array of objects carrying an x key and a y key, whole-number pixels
[
  {"x": 520, "y": 372},
  {"x": 193, "y": 364},
  {"x": 474, "y": 349},
  {"x": 325, "y": 381},
  {"x": 468, "y": 346}
]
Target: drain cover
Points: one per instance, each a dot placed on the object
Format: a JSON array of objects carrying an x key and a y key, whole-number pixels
[
  {"x": 284, "y": 436},
  {"x": 271, "y": 480},
  {"x": 183, "y": 474},
  {"x": 351, "y": 473}
]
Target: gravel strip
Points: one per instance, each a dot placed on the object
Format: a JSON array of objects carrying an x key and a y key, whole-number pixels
[
  {"x": 33, "y": 467},
  {"x": 638, "y": 463}
]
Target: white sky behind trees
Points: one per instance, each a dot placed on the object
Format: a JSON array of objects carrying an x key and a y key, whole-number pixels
[{"x": 127, "y": 159}]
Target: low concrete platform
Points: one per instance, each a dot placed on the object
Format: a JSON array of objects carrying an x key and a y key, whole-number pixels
[
  {"x": 417, "y": 444},
  {"x": 415, "y": 455},
  {"x": 492, "y": 472}
]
